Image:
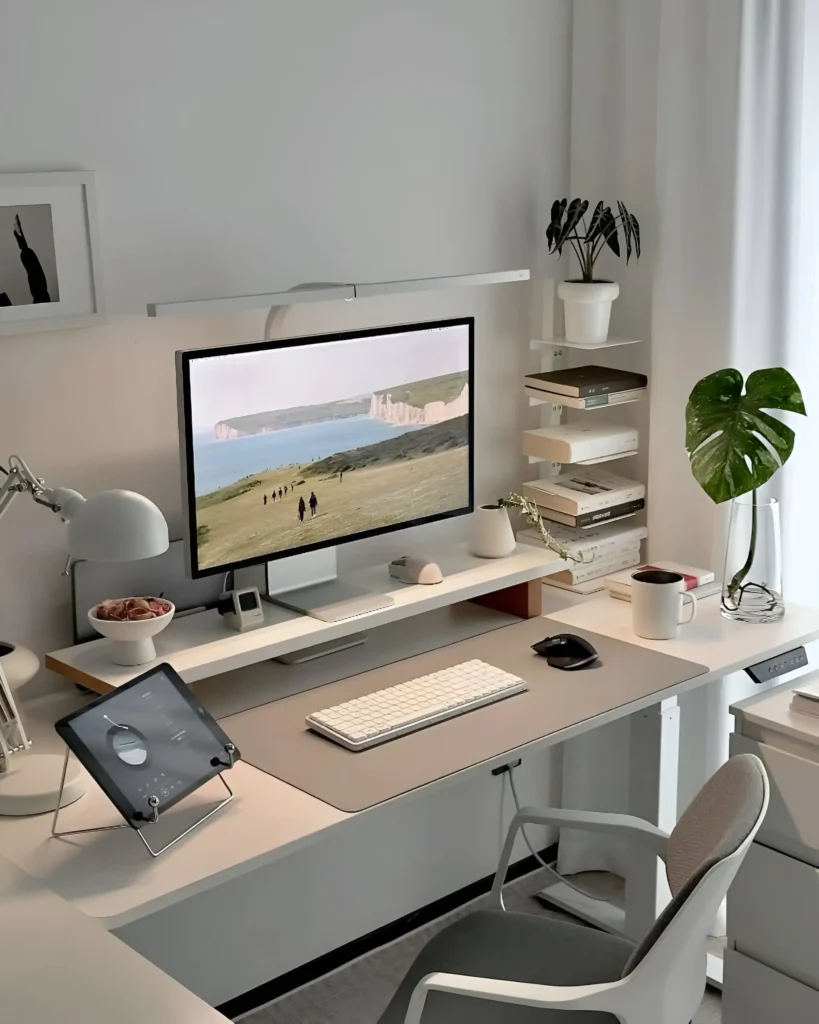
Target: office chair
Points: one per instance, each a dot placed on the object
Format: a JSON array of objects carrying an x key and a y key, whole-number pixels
[{"x": 494, "y": 967}]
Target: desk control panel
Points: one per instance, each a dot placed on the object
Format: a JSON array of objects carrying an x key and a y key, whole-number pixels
[{"x": 766, "y": 671}]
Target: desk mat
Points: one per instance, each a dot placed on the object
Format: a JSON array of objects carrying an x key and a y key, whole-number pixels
[{"x": 274, "y": 738}]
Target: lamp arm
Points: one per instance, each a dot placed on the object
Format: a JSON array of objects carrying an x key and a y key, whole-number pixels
[{"x": 20, "y": 479}]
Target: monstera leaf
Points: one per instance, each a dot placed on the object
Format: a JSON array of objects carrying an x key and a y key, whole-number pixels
[{"x": 733, "y": 445}]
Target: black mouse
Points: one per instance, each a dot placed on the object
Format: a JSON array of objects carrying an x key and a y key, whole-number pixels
[{"x": 566, "y": 651}]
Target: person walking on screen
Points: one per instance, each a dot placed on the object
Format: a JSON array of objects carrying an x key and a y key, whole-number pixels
[
  {"x": 313, "y": 503},
  {"x": 273, "y": 496},
  {"x": 285, "y": 490},
  {"x": 280, "y": 494},
  {"x": 340, "y": 475},
  {"x": 302, "y": 509},
  {"x": 265, "y": 499}
]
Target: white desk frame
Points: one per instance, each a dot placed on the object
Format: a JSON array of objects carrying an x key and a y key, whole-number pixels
[{"x": 126, "y": 887}]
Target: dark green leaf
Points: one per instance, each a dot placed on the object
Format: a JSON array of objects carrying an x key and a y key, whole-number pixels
[
  {"x": 635, "y": 231},
  {"x": 609, "y": 231},
  {"x": 625, "y": 221},
  {"x": 733, "y": 446},
  {"x": 553, "y": 230},
  {"x": 577, "y": 207},
  {"x": 594, "y": 224}
]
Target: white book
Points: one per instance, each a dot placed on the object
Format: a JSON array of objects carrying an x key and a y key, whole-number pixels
[
  {"x": 592, "y": 402},
  {"x": 579, "y": 442},
  {"x": 805, "y": 699},
  {"x": 595, "y": 540},
  {"x": 579, "y": 491},
  {"x": 581, "y": 572}
]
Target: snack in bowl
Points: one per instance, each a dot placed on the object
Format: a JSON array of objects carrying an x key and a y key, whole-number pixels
[
  {"x": 131, "y": 623},
  {"x": 131, "y": 609}
]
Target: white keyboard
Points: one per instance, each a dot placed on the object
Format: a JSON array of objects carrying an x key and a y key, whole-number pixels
[{"x": 386, "y": 714}]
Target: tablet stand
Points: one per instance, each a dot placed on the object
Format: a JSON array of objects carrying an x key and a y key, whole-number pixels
[{"x": 153, "y": 802}]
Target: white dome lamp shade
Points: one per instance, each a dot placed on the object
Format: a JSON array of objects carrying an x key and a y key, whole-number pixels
[{"x": 113, "y": 526}]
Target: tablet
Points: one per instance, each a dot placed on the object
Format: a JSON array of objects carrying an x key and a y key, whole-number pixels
[{"x": 148, "y": 738}]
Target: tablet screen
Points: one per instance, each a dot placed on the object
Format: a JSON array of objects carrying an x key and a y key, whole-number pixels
[{"x": 150, "y": 737}]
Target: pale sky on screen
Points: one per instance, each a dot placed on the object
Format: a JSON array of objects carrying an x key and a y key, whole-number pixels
[{"x": 241, "y": 383}]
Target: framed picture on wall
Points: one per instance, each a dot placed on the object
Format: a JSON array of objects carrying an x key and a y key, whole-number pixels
[{"x": 49, "y": 252}]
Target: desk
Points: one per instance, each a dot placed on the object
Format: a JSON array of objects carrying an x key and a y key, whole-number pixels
[{"x": 110, "y": 878}]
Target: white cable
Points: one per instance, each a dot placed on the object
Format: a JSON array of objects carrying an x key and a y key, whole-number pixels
[{"x": 536, "y": 855}]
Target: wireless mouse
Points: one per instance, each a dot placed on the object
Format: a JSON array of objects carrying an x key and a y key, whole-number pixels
[{"x": 566, "y": 651}]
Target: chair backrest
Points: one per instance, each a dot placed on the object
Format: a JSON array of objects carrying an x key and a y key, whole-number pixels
[{"x": 705, "y": 852}]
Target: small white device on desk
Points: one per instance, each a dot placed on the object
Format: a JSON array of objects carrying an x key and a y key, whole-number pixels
[
  {"x": 415, "y": 570},
  {"x": 241, "y": 609}
]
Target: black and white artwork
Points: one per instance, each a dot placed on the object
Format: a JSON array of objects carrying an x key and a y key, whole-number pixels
[{"x": 28, "y": 261}]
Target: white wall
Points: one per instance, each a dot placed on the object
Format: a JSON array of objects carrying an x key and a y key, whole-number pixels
[{"x": 247, "y": 147}]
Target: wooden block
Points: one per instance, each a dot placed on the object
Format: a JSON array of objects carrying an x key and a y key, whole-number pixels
[{"x": 524, "y": 600}]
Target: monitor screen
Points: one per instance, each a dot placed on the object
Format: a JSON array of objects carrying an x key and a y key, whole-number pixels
[{"x": 294, "y": 445}]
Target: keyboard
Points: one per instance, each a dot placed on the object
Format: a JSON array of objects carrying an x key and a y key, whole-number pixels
[{"x": 397, "y": 710}]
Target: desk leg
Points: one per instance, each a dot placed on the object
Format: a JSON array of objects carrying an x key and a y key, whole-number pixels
[
  {"x": 653, "y": 765},
  {"x": 653, "y": 770}
]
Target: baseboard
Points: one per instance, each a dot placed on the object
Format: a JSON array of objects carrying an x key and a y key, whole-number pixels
[{"x": 336, "y": 958}]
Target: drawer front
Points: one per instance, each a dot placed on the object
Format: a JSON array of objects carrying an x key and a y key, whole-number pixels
[
  {"x": 792, "y": 822},
  {"x": 773, "y": 913},
  {"x": 755, "y": 994}
]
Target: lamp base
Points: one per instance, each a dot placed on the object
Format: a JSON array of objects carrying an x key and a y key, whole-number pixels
[{"x": 32, "y": 784}]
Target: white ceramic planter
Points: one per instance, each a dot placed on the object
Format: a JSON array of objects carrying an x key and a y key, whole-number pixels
[
  {"x": 587, "y": 309},
  {"x": 492, "y": 535},
  {"x": 19, "y": 664}
]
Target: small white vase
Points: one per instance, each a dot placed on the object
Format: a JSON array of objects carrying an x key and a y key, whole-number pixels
[
  {"x": 587, "y": 308},
  {"x": 492, "y": 535}
]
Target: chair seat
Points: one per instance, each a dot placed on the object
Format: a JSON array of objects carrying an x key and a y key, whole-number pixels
[{"x": 512, "y": 947}]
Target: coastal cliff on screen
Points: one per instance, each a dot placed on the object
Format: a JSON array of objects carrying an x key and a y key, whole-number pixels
[{"x": 385, "y": 441}]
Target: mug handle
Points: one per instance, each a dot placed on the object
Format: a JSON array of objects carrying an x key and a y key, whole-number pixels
[{"x": 690, "y": 597}]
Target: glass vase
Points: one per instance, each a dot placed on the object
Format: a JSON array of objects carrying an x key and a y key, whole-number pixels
[{"x": 752, "y": 580}]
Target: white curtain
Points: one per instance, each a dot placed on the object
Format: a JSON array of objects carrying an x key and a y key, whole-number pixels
[{"x": 729, "y": 173}]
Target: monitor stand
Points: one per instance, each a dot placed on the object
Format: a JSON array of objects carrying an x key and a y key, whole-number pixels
[{"x": 309, "y": 584}]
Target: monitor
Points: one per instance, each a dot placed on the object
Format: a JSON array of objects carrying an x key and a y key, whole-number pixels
[{"x": 295, "y": 445}]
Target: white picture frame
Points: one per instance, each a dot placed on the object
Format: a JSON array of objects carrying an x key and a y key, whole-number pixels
[{"x": 57, "y": 214}]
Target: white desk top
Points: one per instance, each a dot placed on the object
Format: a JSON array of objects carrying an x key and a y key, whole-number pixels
[
  {"x": 721, "y": 644},
  {"x": 57, "y": 965},
  {"x": 111, "y": 877}
]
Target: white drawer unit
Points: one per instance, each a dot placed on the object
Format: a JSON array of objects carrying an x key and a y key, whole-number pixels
[
  {"x": 771, "y": 971},
  {"x": 792, "y": 822},
  {"x": 774, "y": 913},
  {"x": 756, "y": 994}
]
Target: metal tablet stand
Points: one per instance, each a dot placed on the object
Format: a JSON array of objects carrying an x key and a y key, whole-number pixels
[{"x": 153, "y": 803}]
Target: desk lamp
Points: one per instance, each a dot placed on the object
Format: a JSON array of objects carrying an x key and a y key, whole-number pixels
[{"x": 114, "y": 526}]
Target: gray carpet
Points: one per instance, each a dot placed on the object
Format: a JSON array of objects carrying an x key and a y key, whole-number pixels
[{"x": 359, "y": 992}]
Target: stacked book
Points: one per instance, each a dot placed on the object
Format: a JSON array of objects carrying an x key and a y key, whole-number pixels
[
  {"x": 586, "y": 387},
  {"x": 580, "y": 442},
  {"x": 600, "y": 552},
  {"x": 583, "y": 498},
  {"x": 701, "y": 582}
]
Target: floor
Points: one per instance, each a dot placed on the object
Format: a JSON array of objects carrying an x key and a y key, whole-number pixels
[{"x": 360, "y": 992}]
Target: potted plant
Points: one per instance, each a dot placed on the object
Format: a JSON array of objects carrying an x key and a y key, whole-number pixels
[
  {"x": 734, "y": 447},
  {"x": 587, "y": 300},
  {"x": 529, "y": 510}
]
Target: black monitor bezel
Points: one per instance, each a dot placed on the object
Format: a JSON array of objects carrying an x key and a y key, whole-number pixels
[{"x": 183, "y": 361}]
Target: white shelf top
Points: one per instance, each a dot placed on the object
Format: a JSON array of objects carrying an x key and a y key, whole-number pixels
[
  {"x": 563, "y": 343},
  {"x": 200, "y": 646}
]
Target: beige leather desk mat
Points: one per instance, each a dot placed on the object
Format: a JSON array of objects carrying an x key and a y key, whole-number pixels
[{"x": 275, "y": 739}]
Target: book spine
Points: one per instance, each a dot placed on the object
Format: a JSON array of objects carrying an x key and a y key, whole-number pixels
[
  {"x": 631, "y": 384},
  {"x": 804, "y": 706},
  {"x": 596, "y": 548},
  {"x": 578, "y": 506},
  {"x": 600, "y": 567},
  {"x": 593, "y": 518}
]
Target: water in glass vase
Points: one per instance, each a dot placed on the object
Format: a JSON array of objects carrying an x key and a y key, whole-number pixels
[{"x": 752, "y": 582}]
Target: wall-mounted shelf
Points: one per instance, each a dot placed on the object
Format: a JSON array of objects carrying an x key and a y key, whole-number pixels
[
  {"x": 583, "y": 462},
  {"x": 330, "y": 292},
  {"x": 562, "y": 343},
  {"x": 536, "y": 398}
]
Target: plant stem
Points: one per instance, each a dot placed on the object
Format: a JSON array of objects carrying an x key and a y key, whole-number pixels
[{"x": 740, "y": 575}]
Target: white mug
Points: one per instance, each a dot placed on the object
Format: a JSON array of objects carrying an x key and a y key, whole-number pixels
[{"x": 657, "y": 599}]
